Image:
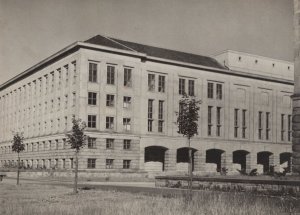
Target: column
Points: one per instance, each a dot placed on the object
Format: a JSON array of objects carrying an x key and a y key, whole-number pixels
[{"x": 170, "y": 160}]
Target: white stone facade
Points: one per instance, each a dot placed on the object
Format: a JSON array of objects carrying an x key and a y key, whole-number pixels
[{"x": 249, "y": 122}]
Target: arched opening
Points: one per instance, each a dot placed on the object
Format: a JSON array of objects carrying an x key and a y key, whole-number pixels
[
  {"x": 285, "y": 161},
  {"x": 182, "y": 158},
  {"x": 263, "y": 158},
  {"x": 155, "y": 158},
  {"x": 217, "y": 157},
  {"x": 242, "y": 158}
]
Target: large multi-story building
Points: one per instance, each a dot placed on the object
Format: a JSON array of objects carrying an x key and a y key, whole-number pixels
[{"x": 129, "y": 94}]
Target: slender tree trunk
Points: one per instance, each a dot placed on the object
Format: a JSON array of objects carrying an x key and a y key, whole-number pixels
[
  {"x": 18, "y": 172},
  {"x": 190, "y": 170},
  {"x": 76, "y": 173}
]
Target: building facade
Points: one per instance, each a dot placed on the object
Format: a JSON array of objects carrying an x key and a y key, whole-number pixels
[{"x": 128, "y": 95}]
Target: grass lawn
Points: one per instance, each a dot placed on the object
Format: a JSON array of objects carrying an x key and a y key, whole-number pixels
[{"x": 30, "y": 199}]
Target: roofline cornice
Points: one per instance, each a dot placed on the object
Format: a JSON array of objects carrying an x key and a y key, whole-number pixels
[{"x": 77, "y": 45}]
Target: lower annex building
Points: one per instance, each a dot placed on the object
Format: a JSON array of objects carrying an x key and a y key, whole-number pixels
[{"x": 128, "y": 95}]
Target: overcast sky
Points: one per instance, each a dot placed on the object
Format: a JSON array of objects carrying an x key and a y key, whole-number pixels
[{"x": 31, "y": 30}]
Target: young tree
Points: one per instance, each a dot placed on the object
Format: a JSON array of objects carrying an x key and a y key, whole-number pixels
[
  {"x": 187, "y": 121},
  {"x": 77, "y": 140},
  {"x": 18, "y": 147}
]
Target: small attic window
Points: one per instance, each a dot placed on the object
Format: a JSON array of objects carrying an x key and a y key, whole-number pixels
[
  {"x": 256, "y": 61},
  {"x": 273, "y": 64},
  {"x": 240, "y": 58}
]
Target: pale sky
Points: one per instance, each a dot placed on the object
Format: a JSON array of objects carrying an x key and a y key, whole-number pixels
[{"x": 31, "y": 30}]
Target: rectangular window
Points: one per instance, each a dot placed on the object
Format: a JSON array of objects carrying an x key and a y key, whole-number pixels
[
  {"x": 126, "y": 101},
  {"x": 209, "y": 120},
  {"x": 126, "y": 164},
  {"x": 161, "y": 83},
  {"x": 151, "y": 82},
  {"x": 289, "y": 127},
  {"x": 127, "y": 77},
  {"x": 92, "y": 72},
  {"x": 160, "y": 116},
  {"x": 109, "y": 122},
  {"x": 191, "y": 88},
  {"x": 74, "y": 72},
  {"x": 110, "y": 143},
  {"x": 109, "y": 164},
  {"x": 210, "y": 90},
  {"x": 181, "y": 86},
  {"x": 126, "y": 144},
  {"x": 236, "y": 122},
  {"x": 110, "y": 100},
  {"x": 73, "y": 99},
  {"x": 219, "y": 91},
  {"x": 66, "y": 101},
  {"x": 150, "y": 114},
  {"x": 59, "y": 78},
  {"x": 260, "y": 125},
  {"x": 111, "y": 75},
  {"x": 218, "y": 133},
  {"x": 91, "y": 163},
  {"x": 92, "y": 98},
  {"x": 91, "y": 143},
  {"x": 244, "y": 124},
  {"x": 66, "y": 67},
  {"x": 91, "y": 121},
  {"x": 267, "y": 125},
  {"x": 282, "y": 127},
  {"x": 126, "y": 124}
]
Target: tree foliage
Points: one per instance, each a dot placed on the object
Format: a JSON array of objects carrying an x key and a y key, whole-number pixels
[
  {"x": 188, "y": 115},
  {"x": 77, "y": 137},
  {"x": 17, "y": 143}
]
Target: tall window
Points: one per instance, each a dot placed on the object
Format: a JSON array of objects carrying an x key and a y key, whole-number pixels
[
  {"x": 218, "y": 132},
  {"x": 91, "y": 163},
  {"x": 260, "y": 125},
  {"x": 151, "y": 82},
  {"x": 126, "y": 101},
  {"x": 126, "y": 124},
  {"x": 244, "y": 124},
  {"x": 92, "y": 72},
  {"x": 209, "y": 120},
  {"x": 181, "y": 86},
  {"x": 160, "y": 116},
  {"x": 126, "y": 144},
  {"x": 66, "y": 101},
  {"x": 66, "y": 67},
  {"x": 74, "y": 72},
  {"x": 150, "y": 114},
  {"x": 236, "y": 122},
  {"x": 110, "y": 75},
  {"x": 91, "y": 143},
  {"x": 127, "y": 77},
  {"x": 110, "y": 143},
  {"x": 109, "y": 164},
  {"x": 91, "y": 121},
  {"x": 267, "y": 125},
  {"x": 282, "y": 127},
  {"x": 110, "y": 100},
  {"x": 219, "y": 91},
  {"x": 73, "y": 99},
  {"x": 210, "y": 90},
  {"x": 92, "y": 98},
  {"x": 109, "y": 122},
  {"x": 289, "y": 127},
  {"x": 59, "y": 78},
  {"x": 126, "y": 164},
  {"x": 161, "y": 83},
  {"x": 191, "y": 90}
]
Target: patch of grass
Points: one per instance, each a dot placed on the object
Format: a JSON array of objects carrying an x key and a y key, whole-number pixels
[{"x": 30, "y": 199}]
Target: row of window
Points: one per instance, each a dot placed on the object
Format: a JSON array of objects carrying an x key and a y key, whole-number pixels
[
  {"x": 109, "y": 163},
  {"x": 110, "y": 100},
  {"x": 53, "y": 163},
  {"x": 54, "y": 145},
  {"x": 110, "y": 74}
]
